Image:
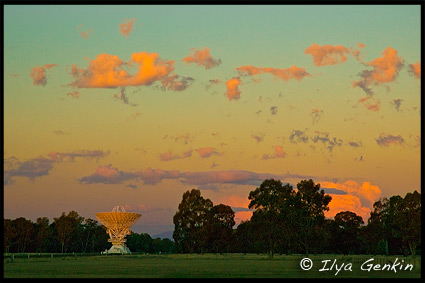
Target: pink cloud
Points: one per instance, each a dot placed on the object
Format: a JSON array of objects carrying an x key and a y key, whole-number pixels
[
  {"x": 233, "y": 91},
  {"x": 385, "y": 69},
  {"x": 87, "y": 154},
  {"x": 359, "y": 198},
  {"x": 387, "y": 140},
  {"x": 126, "y": 27},
  {"x": 356, "y": 52},
  {"x": 74, "y": 94},
  {"x": 153, "y": 176},
  {"x": 107, "y": 71},
  {"x": 172, "y": 82},
  {"x": 370, "y": 103},
  {"x": 327, "y": 54},
  {"x": 86, "y": 33},
  {"x": 109, "y": 175},
  {"x": 41, "y": 166},
  {"x": 206, "y": 152},
  {"x": 202, "y": 57},
  {"x": 39, "y": 74},
  {"x": 279, "y": 153},
  {"x": 212, "y": 177},
  {"x": 415, "y": 70},
  {"x": 293, "y": 72},
  {"x": 107, "y": 171},
  {"x": 167, "y": 156}
]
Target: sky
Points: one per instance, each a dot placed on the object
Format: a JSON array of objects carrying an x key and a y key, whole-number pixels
[{"x": 135, "y": 105}]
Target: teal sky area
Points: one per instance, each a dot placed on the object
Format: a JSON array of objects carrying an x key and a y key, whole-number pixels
[{"x": 85, "y": 131}]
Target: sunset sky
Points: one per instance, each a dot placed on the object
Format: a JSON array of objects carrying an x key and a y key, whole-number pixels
[{"x": 134, "y": 105}]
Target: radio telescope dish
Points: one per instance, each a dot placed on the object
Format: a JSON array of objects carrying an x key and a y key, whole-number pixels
[{"x": 118, "y": 223}]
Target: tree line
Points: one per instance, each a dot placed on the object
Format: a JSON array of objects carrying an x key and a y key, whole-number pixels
[
  {"x": 71, "y": 233},
  {"x": 284, "y": 221},
  {"x": 289, "y": 221}
]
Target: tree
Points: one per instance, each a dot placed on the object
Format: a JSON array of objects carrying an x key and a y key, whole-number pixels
[
  {"x": 190, "y": 222},
  {"x": 67, "y": 227},
  {"x": 87, "y": 233},
  {"x": 406, "y": 222},
  {"x": 381, "y": 222},
  {"x": 306, "y": 214},
  {"x": 270, "y": 215},
  {"x": 395, "y": 223},
  {"x": 167, "y": 246},
  {"x": 24, "y": 233},
  {"x": 413, "y": 215},
  {"x": 221, "y": 230},
  {"x": 245, "y": 238},
  {"x": 42, "y": 234},
  {"x": 269, "y": 196},
  {"x": 345, "y": 231},
  {"x": 99, "y": 239},
  {"x": 9, "y": 234},
  {"x": 376, "y": 231}
]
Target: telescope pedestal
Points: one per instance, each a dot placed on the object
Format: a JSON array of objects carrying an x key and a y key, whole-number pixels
[{"x": 118, "y": 249}]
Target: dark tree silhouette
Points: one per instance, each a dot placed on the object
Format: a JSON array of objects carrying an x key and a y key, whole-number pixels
[
  {"x": 190, "y": 222},
  {"x": 345, "y": 232},
  {"x": 270, "y": 216},
  {"x": 307, "y": 207}
]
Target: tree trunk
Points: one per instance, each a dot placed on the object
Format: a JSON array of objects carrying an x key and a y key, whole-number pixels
[{"x": 412, "y": 247}]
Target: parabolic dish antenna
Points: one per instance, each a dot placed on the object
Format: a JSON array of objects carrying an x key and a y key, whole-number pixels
[{"x": 118, "y": 223}]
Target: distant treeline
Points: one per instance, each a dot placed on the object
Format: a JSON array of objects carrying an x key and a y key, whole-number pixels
[{"x": 284, "y": 221}]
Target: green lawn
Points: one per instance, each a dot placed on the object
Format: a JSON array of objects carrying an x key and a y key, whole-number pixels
[{"x": 198, "y": 266}]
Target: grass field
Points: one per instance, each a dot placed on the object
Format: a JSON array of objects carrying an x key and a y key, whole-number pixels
[{"x": 202, "y": 266}]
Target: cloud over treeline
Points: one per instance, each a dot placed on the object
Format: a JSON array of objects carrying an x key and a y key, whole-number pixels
[
  {"x": 107, "y": 174},
  {"x": 358, "y": 198},
  {"x": 41, "y": 166}
]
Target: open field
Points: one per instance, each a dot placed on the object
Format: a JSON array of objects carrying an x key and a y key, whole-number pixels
[{"x": 203, "y": 266}]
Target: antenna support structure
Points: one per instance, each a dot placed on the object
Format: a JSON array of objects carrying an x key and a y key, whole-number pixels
[{"x": 118, "y": 223}]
